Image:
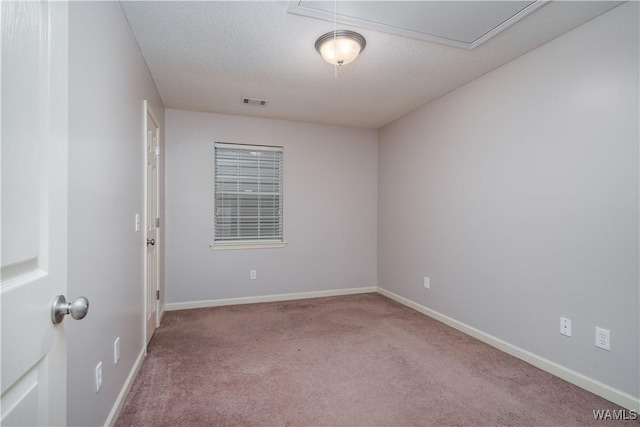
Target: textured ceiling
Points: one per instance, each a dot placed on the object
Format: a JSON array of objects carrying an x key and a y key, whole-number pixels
[{"x": 205, "y": 56}]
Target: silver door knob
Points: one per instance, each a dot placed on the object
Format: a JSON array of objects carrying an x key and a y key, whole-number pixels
[
  {"x": 78, "y": 309},
  {"x": 151, "y": 242}
]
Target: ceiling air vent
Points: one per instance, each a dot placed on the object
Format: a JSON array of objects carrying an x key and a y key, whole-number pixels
[{"x": 254, "y": 101}]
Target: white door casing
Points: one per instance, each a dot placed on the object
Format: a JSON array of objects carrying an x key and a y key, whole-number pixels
[
  {"x": 152, "y": 150},
  {"x": 34, "y": 133}
]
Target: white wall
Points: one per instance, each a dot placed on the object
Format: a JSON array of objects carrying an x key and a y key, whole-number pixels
[
  {"x": 108, "y": 81},
  {"x": 517, "y": 194},
  {"x": 330, "y": 190}
]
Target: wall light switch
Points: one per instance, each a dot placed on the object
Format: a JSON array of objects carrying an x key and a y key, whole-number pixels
[
  {"x": 426, "y": 282},
  {"x": 138, "y": 221}
]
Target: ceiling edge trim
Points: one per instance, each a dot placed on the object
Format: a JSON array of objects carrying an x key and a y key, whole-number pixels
[
  {"x": 509, "y": 22},
  {"x": 295, "y": 8}
]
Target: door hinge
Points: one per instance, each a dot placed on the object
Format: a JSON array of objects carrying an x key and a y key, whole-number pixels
[
  {"x": 157, "y": 294},
  {"x": 157, "y": 222}
]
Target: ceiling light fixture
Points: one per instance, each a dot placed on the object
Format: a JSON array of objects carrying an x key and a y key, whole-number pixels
[{"x": 340, "y": 47}]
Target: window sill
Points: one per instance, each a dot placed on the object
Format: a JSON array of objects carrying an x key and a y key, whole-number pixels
[{"x": 248, "y": 245}]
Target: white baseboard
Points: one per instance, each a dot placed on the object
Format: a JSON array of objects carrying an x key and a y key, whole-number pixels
[
  {"x": 596, "y": 387},
  {"x": 117, "y": 406},
  {"x": 266, "y": 298}
]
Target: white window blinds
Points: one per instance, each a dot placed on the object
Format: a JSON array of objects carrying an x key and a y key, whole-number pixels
[{"x": 248, "y": 193}]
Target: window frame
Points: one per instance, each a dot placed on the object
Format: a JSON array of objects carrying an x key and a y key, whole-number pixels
[{"x": 248, "y": 244}]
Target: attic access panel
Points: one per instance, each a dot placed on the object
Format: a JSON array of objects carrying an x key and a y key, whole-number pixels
[{"x": 463, "y": 24}]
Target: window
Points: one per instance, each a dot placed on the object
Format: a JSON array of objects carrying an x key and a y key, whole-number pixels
[{"x": 248, "y": 194}]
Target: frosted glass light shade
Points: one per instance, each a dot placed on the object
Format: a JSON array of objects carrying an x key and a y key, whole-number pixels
[{"x": 340, "y": 48}]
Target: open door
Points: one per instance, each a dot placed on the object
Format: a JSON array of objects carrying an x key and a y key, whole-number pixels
[
  {"x": 34, "y": 130},
  {"x": 152, "y": 222}
]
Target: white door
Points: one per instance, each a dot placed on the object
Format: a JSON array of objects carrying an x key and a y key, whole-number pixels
[
  {"x": 34, "y": 114},
  {"x": 151, "y": 220}
]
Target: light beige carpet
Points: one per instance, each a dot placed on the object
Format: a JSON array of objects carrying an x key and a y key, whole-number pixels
[{"x": 360, "y": 360}]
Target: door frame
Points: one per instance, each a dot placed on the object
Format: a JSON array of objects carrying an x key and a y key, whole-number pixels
[{"x": 148, "y": 111}]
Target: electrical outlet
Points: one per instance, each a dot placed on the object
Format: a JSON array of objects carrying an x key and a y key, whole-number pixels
[
  {"x": 565, "y": 326},
  {"x": 426, "y": 282},
  {"x": 98, "y": 376},
  {"x": 603, "y": 338},
  {"x": 252, "y": 275},
  {"x": 116, "y": 351}
]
